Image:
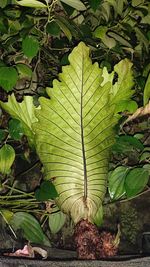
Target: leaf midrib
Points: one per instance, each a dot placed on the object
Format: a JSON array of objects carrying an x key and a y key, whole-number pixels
[{"x": 82, "y": 136}]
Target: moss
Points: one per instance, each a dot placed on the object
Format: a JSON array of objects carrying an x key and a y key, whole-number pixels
[{"x": 129, "y": 224}]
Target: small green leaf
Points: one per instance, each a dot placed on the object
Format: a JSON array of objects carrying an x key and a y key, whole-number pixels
[
  {"x": 131, "y": 140},
  {"x": 7, "y": 156},
  {"x": 146, "y": 70},
  {"x": 46, "y": 191},
  {"x": 145, "y": 156},
  {"x": 147, "y": 167},
  {"x": 130, "y": 106},
  {"x": 2, "y": 134},
  {"x": 136, "y": 3},
  {"x": 98, "y": 220},
  {"x": 7, "y": 214},
  {"x": 8, "y": 78},
  {"x": 94, "y": 4},
  {"x": 32, "y": 230},
  {"x": 31, "y": 3},
  {"x": 135, "y": 181},
  {"x": 69, "y": 10},
  {"x": 116, "y": 182},
  {"x": 100, "y": 33},
  {"x": 142, "y": 38},
  {"x": 119, "y": 38},
  {"x": 3, "y": 3},
  {"x": 77, "y": 4},
  {"x": 13, "y": 13},
  {"x": 64, "y": 60},
  {"x": 24, "y": 112},
  {"x": 15, "y": 129},
  {"x": 147, "y": 91},
  {"x": 56, "y": 221},
  {"x": 53, "y": 28},
  {"x": 24, "y": 70},
  {"x": 126, "y": 143},
  {"x": 30, "y": 46},
  {"x": 139, "y": 136},
  {"x": 65, "y": 29}
]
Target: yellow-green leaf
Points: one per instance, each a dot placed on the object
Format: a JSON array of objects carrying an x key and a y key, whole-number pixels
[
  {"x": 7, "y": 156},
  {"x": 31, "y": 3},
  {"x": 24, "y": 112},
  {"x": 147, "y": 91},
  {"x": 56, "y": 221},
  {"x": 75, "y": 131}
]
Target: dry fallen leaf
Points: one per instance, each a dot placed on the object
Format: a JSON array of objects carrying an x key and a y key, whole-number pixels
[{"x": 139, "y": 113}]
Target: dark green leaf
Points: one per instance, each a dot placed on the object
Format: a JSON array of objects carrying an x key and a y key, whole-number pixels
[
  {"x": 68, "y": 9},
  {"x": 136, "y": 181},
  {"x": 3, "y": 26},
  {"x": 116, "y": 184},
  {"x": 46, "y": 191},
  {"x": 2, "y": 64},
  {"x": 56, "y": 221},
  {"x": 31, "y": 228},
  {"x": 94, "y": 4},
  {"x": 53, "y": 28},
  {"x": 15, "y": 129},
  {"x": 86, "y": 31},
  {"x": 126, "y": 143},
  {"x": 147, "y": 91},
  {"x": 30, "y": 46},
  {"x": 64, "y": 60},
  {"x": 2, "y": 134},
  {"x": 147, "y": 167},
  {"x": 64, "y": 28},
  {"x": 8, "y": 78},
  {"x": 77, "y": 4}
]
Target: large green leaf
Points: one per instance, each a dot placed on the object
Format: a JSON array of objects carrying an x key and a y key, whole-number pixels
[
  {"x": 74, "y": 135},
  {"x": 116, "y": 184},
  {"x": 32, "y": 230},
  {"x": 24, "y": 112},
  {"x": 136, "y": 181}
]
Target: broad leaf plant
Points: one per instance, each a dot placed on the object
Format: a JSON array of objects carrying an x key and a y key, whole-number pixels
[{"x": 75, "y": 130}]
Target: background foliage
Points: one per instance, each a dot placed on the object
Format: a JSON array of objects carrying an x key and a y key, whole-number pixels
[{"x": 36, "y": 38}]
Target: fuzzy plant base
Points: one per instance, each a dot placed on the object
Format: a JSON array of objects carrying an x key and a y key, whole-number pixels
[{"x": 91, "y": 244}]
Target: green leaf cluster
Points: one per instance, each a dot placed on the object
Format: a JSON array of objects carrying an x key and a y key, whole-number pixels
[{"x": 127, "y": 182}]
